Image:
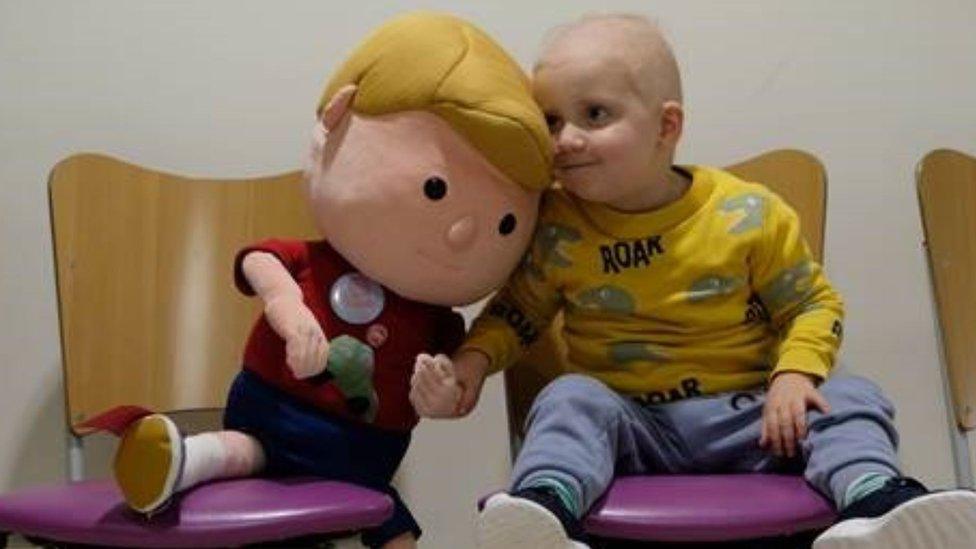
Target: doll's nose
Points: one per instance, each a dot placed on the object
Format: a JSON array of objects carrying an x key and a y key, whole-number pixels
[{"x": 461, "y": 233}]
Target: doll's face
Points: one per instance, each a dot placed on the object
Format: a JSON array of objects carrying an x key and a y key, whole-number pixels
[{"x": 411, "y": 204}]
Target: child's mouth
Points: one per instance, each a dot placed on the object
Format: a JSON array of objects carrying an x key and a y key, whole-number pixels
[{"x": 574, "y": 166}]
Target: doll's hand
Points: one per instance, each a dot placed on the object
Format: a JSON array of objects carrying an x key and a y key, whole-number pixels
[
  {"x": 434, "y": 391},
  {"x": 784, "y": 422},
  {"x": 306, "y": 348}
]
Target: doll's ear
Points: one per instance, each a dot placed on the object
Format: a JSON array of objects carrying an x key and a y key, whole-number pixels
[{"x": 338, "y": 107}]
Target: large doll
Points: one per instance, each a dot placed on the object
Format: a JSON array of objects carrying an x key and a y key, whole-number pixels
[{"x": 424, "y": 176}]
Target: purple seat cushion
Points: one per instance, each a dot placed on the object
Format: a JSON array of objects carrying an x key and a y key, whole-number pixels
[
  {"x": 213, "y": 515},
  {"x": 708, "y": 508}
]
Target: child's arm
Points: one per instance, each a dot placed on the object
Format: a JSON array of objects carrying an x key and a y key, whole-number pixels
[
  {"x": 472, "y": 368},
  {"x": 305, "y": 344},
  {"x": 808, "y": 313},
  {"x": 803, "y": 307}
]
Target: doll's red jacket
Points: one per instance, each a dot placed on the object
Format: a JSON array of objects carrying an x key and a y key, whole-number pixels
[{"x": 410, "y": 328}]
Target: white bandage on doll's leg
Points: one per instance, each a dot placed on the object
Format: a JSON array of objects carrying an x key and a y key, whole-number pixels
[{"x": 220, "y": 454}]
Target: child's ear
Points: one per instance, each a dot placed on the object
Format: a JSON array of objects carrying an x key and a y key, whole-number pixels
[
  {"x": 672, "y": 122},
  {"x": 338, "y": 107}
]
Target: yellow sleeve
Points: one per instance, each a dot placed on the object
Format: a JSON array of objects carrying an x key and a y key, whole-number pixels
[
  {"x": 523, "y": 309},
  {"x": 803, "y": 307}
]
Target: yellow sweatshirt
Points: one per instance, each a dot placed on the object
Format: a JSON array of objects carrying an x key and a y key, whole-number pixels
[{"x": 708, "y": 294}]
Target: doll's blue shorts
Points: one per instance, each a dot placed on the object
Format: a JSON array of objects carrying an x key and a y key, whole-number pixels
[{"x": 299, "y": 440}]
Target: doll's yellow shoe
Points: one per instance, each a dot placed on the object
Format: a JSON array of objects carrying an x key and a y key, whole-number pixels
[{"x": 148, "y": 463}]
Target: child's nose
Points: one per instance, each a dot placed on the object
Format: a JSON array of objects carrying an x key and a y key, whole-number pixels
[
  {"x": 569, "y": 139},
  {"x": 461, "y": 233}
]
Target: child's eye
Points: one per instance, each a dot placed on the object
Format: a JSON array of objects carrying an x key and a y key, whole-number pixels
[
  {"x": 595, "y": 114},
  {"x": 554, "y": 123}
]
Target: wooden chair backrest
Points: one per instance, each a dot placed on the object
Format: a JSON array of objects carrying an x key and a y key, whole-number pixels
[
  {"x": 797, "y": 176},
  {"x": 149, "y": 314},
  {"x": 946, "y": 183}
]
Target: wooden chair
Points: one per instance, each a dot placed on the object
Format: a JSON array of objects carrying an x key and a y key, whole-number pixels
[
  {"x": 946, "y": 182},
  {"x": 682, "y": 508},
  {"x": 149, "y": 316}
]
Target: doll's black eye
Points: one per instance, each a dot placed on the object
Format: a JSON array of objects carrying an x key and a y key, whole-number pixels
[
  {"x": 507, "y": 224},
  {"x": 435, "y": 188}
]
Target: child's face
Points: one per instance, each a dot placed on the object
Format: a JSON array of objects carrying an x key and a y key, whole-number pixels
[{"x": 605, "y": 132}]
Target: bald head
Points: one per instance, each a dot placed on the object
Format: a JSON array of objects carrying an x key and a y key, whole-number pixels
[{"x": 628, "y": 39}]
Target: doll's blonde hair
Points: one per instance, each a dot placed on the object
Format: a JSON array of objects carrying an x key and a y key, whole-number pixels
[{"x": 447, "y": 66}]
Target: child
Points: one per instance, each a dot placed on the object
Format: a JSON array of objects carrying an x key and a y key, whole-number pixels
[
  {"x": 425, "y": 189},
  {"x": 676, "y": 282}
]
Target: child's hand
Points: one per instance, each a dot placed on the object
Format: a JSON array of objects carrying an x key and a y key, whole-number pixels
[
  {"x": 471, "y": 367},
  {"x": 784, "y": 422},
  {"x": 434, "y": 391},
  {"x": 306, "y": 348}
]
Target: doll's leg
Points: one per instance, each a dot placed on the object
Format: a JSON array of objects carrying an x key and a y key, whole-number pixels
[
  {"x": 403, "y": 541},
  {"x": 220, "y": 454},
  {"x": 301, "y": 441},
  {"x": 148, "y": 461},
  {"x": 400, "y": 530},
  {"x": 368, "y": 457},
  {"x": 154, "y": 461}
]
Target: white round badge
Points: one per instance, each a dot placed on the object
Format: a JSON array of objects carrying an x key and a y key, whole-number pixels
[{"x": 356, "y": 298}]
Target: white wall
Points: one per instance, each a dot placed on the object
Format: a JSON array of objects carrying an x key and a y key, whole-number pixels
[{"x": 227, "y": 88}]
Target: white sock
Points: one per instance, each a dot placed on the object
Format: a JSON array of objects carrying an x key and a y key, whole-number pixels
[
  {"x": 204, "y": 457},
  {"x": 219, "y": 454}
]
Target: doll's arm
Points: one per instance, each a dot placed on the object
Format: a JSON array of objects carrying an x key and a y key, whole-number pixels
[{"x": 306, "y": 347}]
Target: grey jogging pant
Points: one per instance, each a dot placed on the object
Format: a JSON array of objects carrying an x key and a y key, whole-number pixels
[{"x": 582, "y": 434}]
